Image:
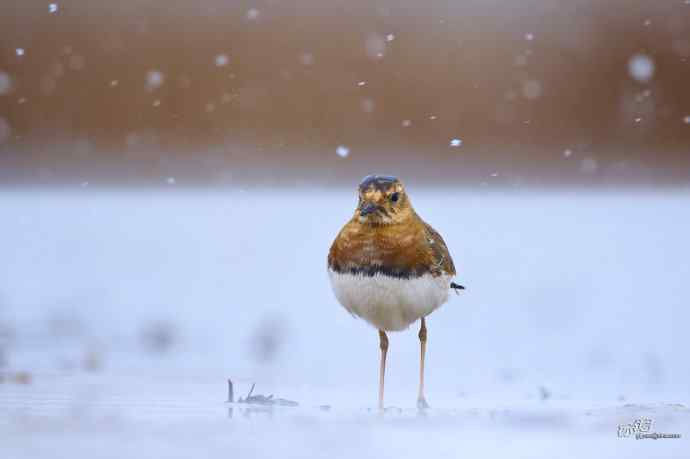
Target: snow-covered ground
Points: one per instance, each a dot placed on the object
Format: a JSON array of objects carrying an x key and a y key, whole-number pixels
[{"x": 129, "y": 310}]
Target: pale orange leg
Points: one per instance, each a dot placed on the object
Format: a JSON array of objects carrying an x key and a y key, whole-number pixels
[
  {"x": 383, "y": 344},
  {"x": 421, "y": 401}
]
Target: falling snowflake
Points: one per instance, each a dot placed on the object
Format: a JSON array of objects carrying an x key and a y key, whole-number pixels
[
  {"x": 455, "y": 142},
  {"x": 342, "y": 151},
  {"x": 154, "y": 79},
  {"x": 567, "y": 153},
  {"x": 529, "y": 36},
  {"x": 19, "y": 51},
  {"x": 5, "y": 83},
  {"x": 221, "y": 60},
  {"x": 52, "y": 8},
  {"x": 390, "y": 37},
  {"x": 686, "y": 120},
  {"x": 170, "y": 180},
  {"x": 253, "y": 14},
  {"x": 641, "y": 68},
  {"x": 361, "y": 83},
  {"x": 406, "y": 123},
  {"x": 432, "y": 117}
]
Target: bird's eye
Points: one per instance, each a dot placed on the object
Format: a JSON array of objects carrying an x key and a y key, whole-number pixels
[{"x": 395, "y": 196}]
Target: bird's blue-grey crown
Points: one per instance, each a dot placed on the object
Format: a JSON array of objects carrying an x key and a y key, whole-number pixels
[{"x": 379, "y": 182}]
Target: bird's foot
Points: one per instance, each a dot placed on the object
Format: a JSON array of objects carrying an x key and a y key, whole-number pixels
[{"x": 422, "y": 404}]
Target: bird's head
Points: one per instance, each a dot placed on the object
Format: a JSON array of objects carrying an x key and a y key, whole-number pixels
[{"x": 382, "y": 201}]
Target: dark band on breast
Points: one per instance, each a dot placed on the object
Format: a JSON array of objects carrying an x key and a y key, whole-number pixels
[{"x": 397, "y": 272}]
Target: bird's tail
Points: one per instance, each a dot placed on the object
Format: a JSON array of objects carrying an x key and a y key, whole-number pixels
[{"x": 456, "y": 287}]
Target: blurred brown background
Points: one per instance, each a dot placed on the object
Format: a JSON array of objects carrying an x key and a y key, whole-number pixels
[{"x": 270, "y": 92}]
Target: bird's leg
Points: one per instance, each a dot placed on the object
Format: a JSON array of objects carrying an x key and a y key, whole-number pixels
[
  {"x": 383, "y": 344},
  {"x": 421, "y": 401}
]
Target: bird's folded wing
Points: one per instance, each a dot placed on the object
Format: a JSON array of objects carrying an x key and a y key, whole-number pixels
[{"x": 442, "y": 261}]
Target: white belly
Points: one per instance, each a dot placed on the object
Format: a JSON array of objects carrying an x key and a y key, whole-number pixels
[{"x": 389, "y": 303}]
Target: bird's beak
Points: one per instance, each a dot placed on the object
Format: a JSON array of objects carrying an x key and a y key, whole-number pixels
[{"x": 367, "y": 209}]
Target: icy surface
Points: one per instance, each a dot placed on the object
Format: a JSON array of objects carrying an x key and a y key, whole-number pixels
[{"x": 129, "y": 311}]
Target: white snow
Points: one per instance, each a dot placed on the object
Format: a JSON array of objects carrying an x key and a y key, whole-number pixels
[
  {"x": 221, "y": 60},
  {"x": 455, "y": 142},
  {"x": 5, "y": 83},
  {"x": 19, "y": 51},
  {"x": 154, "y": 79},
  {"x": 574, "y": 321},
  {"x": 252, "y": 14},
  {"x": 641, "y": 68},
  {"x": 342, "y": 151},
  {"x": 52, "y": 8}
]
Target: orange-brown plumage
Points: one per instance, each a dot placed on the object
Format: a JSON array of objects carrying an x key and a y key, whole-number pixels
[
  {"x": 402, "y": 246},
  {"x": 405, "y": 250}
]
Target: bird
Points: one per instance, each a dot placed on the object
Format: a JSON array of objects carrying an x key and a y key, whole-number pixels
[{"x": 390, "y": 268}]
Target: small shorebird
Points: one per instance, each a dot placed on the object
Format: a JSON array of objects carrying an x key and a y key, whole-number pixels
[{"x": 389, "y": 267}]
